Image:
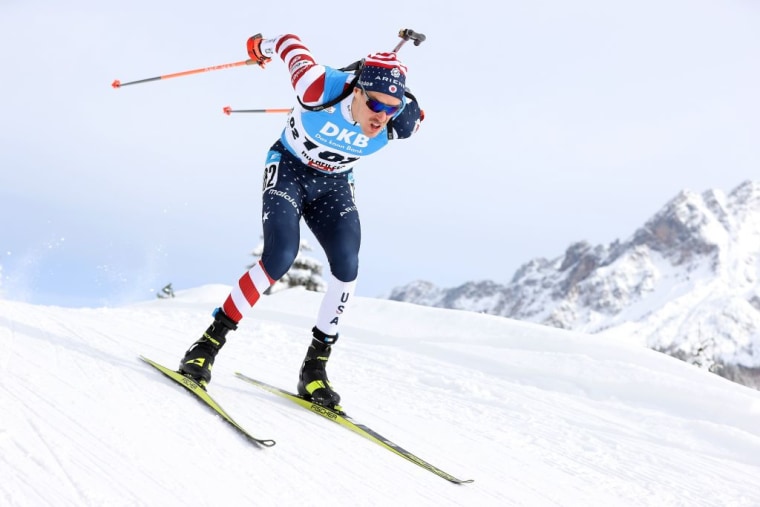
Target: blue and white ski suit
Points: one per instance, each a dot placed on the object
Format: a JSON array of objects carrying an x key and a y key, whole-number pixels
[{"x": 309, "y": 173}]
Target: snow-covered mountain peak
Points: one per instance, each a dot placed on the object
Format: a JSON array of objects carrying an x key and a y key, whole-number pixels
[{"x": 685, "y": 283}]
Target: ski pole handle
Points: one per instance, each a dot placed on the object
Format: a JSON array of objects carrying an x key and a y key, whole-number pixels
[{"x": 119, "y": 84}]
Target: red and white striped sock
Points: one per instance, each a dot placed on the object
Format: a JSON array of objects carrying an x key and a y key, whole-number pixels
[{"x": 248, "y": 291}]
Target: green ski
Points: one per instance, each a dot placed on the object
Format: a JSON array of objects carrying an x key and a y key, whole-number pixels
[
  {"x": 202, "y": 396},
  {"x": 347, "y": 422}
]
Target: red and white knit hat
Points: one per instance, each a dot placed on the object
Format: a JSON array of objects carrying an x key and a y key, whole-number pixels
[{"x": 383, "y": 73}]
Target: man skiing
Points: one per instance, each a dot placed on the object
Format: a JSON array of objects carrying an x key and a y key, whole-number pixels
[{"x": 340, "y": 118}]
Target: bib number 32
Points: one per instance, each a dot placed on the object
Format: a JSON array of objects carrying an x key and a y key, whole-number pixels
[{"x": 270, "y": 170}]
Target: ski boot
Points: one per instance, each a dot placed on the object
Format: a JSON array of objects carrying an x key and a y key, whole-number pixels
[
  {"x": 313, "y": 383},
  {"x": 199, "y": 359}
]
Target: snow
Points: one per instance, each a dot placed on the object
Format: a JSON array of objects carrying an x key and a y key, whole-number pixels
[{"x": 535, "y": 415}]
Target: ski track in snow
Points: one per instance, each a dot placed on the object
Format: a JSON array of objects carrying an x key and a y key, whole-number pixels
[{"x": 536, "y": 416}]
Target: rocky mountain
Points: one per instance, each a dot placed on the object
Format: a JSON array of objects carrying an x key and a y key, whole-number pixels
[{"x": 687, "y": 283}]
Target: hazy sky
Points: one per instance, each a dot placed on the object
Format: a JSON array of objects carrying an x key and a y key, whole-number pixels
[{"x": 547, "y": 122}]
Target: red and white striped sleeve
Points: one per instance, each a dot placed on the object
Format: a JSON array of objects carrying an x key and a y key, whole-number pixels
[{"x": 306, "y": 76}]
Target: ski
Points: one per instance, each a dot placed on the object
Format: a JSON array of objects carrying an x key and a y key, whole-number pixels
[
  {"x": 205, "y": 398},
  {"x": 347, "y": 422}
]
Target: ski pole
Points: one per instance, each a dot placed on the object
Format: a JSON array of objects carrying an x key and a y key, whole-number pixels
[
  {"x": 228, "y": 110},
  {"x": 119, "y": 84}
]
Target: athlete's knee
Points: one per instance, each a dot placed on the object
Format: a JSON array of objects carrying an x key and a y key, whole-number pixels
[
  {"x": 343, "y": 257},
  {"x": 345, "y": 270},
  {"x": 277, "y": 260}
]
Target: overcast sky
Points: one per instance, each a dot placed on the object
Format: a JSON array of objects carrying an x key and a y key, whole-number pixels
[{"x": 547, "y": 122}]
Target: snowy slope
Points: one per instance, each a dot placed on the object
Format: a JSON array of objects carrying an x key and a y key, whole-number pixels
[{"x": 536, "y": 415}]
